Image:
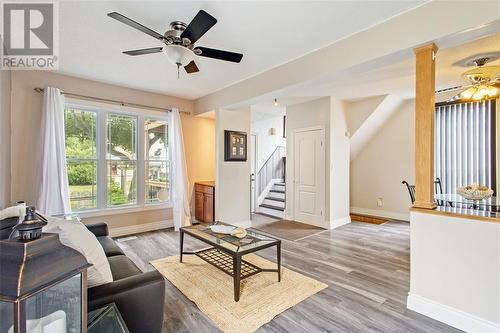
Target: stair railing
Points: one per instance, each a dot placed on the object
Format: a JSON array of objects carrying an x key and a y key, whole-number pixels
[{"x": 273, "y": 168}]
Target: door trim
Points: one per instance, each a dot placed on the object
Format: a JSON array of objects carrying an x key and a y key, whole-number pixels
[{"x": 290, "y": 188}]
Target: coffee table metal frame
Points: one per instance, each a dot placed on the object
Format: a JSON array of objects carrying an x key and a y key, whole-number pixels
[{"x": 231, "y": 262}]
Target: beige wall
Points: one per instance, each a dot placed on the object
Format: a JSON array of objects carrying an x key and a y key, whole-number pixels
[
  {"x": 455, "y": 271},
  {"x": 199, "y": 144},
  {"x": 308, "y": 114},
  {"x": 5, "y": 83},
  {"x": 339, "y": 165},
  {"x": 26, "y": 117},
  {"x": 232, "y": 190},
  {"x": 386, "y": 160}
]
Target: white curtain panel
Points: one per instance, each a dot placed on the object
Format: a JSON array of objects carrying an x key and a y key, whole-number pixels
[
  {"x": 53, "y": 195},
  {"x": 180, "y": 182}
]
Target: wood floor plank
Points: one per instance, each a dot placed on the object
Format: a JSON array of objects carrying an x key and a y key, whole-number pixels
[{"x": 365, "y": 265}]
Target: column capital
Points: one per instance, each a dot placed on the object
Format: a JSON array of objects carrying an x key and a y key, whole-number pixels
[{"x": 427, "y": 47}]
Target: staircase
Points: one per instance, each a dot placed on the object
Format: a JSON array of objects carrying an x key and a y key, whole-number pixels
[
  {"x": 274, "y": 201},
  {"x": 271, "y": 184}
]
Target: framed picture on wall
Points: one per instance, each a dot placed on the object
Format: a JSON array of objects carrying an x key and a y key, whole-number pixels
[{"x": 235, "y": 146}]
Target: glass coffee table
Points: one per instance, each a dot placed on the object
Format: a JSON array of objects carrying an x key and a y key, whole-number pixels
[
  {"x": 106, "y": 320},
  {"x": 226, "y": 252}
]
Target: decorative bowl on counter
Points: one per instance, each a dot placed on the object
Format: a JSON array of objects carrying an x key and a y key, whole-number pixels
[{"x": 475, "y": 192}]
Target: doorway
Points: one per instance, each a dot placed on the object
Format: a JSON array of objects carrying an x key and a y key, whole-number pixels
[
  {"x": 253, "y": 170},
  {"x": 309, "y": 175}
]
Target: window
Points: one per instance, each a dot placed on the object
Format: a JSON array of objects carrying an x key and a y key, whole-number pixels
[
  {"x": 111, "y": 163},
  {"x": 81, "y": 158},
  {"x": 157, "y": 160},
  {"x": 465, "y": 144},
  {"x": 121, "y": 160}
]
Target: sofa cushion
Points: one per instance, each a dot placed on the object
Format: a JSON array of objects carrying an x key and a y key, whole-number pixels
[
  {"x": 75, "y": 235},
  {"x": 109, "y": 246},
  {"x": 122, "y": 267},
  {"x": 6, "y": 226}
]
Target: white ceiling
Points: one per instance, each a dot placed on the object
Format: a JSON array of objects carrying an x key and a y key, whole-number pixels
[
  {"x": 268, "y": 33},
  {"x": 399, "y": 78}
]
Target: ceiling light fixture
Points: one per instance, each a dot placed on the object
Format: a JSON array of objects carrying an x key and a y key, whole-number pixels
[
  {"x": 178, "y": 55},
  {"x": 484, "y": 82},
  {"x": 275, "y": 102}
]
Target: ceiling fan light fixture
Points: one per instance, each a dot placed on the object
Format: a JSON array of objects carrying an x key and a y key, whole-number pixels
[
  {"x": 481, "y": 92},
  {"x": 467, "y": 94},
  {"x": 178, "y": 55},
  {"x": 493, "y": 91}
]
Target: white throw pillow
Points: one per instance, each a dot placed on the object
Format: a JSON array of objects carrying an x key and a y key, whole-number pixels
[{"x": 74, "y": 234}]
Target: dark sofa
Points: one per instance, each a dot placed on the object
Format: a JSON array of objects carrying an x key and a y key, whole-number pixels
[{"x": 139, "y": 296}]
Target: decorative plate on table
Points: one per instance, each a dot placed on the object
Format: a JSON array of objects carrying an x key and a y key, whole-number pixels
[
  {"x": 475, "y": 192},
  {"x": 222, "y": 229}
]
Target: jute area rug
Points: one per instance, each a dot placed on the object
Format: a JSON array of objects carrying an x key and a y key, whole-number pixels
[{"x": 262, "y": 296}]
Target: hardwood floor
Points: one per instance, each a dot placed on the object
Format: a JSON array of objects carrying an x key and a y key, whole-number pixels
[{"x": 366, "y": 267}]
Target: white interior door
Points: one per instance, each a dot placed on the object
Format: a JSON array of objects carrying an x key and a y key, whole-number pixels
[
  {"x": 253, "y": 164},
  {"x": 309, "y": 176}
]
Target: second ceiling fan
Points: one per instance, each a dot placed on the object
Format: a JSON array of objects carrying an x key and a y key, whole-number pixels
[{"x": 180, "y": 41}]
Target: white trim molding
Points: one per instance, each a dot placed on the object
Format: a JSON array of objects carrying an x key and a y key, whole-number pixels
[
  {"x": 450, "y": 316},
  {"x": 138, "y": 228},
  {"x": 334, "y": 224},
  {"x": 381, "y": 213}
]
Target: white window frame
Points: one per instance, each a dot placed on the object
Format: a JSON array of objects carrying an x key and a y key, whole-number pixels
[{"x": 102, "y": 110}]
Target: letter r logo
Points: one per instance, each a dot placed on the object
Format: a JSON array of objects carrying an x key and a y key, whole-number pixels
[{"x": 28, "y": 29}]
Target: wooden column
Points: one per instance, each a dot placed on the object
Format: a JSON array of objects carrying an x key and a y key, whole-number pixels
[{"x": 424, "y": 126}]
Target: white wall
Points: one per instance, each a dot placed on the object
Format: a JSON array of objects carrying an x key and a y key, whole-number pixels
[
  {"x": 339, "y": 166},
  {"x": 5, "y": 89},
  {"x": 455, "y": 271},
  {"x": 267, "y": 143},
  {"x": 309, "y": 114},
  {"x": 385, "y": 161},
  {"x": 232, "y": 188},
  {"x": 360, "y": 110}
]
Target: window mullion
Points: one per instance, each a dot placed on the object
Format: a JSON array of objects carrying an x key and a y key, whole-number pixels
[
  {"x": 141, "y": 173},
  {"x": 101, "y": 160}
]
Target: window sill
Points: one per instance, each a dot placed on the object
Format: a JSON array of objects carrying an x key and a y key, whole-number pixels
[{"x": 122, "y": 210}]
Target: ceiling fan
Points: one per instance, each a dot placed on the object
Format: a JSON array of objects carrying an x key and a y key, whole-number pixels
[
  {"x": 484, "y": 81},
  {"x": 180, "y": 41}
]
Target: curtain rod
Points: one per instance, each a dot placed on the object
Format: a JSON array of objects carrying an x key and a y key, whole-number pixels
[{"x": 99, "y": 99}]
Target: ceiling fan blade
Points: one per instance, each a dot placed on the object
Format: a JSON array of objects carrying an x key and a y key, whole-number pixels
[
  {"x": 191, "y": 67},
  {"x": 135, "y": 25},
  {"x": 144, "y": 51},
  {"x": 200, "y": 24},
  {"x": 220, "y": 54}
]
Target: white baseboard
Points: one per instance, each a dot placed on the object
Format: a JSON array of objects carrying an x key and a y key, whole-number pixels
[
  {"x": 381, "y": 213},
  {"x": 138, "y": 228},
  {"x": 340, "y": 222},
  {"x": 450, "y": 316}
]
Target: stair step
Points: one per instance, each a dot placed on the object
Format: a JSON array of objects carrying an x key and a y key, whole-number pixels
[
  {"x": 275, "y": 199},
  {"x": 272, "y": 207},
  {"x": 277, "y": 191},
  {"x": 282, "y": 184},
  {"x": 276, "y": 195},
  {"x": 271, "y": 212}
]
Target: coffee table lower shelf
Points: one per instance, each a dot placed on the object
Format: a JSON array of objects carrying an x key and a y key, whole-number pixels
[{"x": 224, "y": 262}]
